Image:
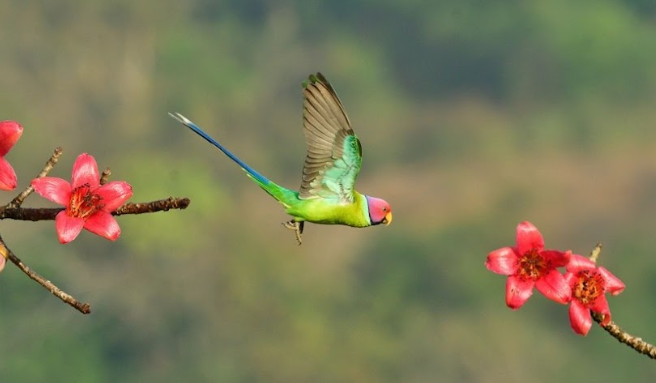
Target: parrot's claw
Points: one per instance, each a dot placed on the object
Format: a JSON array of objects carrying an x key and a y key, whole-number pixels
[{"x": 297, "y": 227}]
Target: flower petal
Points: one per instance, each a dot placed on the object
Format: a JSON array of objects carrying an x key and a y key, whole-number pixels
[
  {"x": 8, "y": 179},
  {"x": 68, "y": 228},
  {"x": 571, "y": 279},
  {"x": 104, "y": 225},
  {"x": 579, "y": 317},
  {"x": 578, "y": 263},
  {"x": 554, "y": 286},
  {"x": 54, "y": 189},
  {"x": 114, "y": 194},
  {"x": 528, "y": 237},
  {"x": 85, "y": 171},
  {"x": 518, "y": 291},
  {"x": 600, "y": 305},
  {"x": 613, "y": 284},
  {"x": 557, "y": 258},
  {"x": 502, "y": 261},
  {"x": 10, "y": 132}
]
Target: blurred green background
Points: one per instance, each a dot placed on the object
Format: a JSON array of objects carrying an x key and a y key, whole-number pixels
[{"x": 474, "y": 115}]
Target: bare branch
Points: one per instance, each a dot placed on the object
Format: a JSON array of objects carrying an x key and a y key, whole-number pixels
[
  {"x": 47, "y": 214},
  {"x": 18, "y": 201},
  {"x": 594, "y": 254},
  {"x": 104, "y": 177},
  {"x": 154, "y": 206},
  {"x": 84, "y": 308},
  {"x": 623, "y": 337}
]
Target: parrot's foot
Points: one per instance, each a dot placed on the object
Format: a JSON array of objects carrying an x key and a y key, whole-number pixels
[{"x": 297, "y": 227}]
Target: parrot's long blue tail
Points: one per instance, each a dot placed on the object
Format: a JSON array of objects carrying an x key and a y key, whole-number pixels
[{"x": 262, "y": 180}]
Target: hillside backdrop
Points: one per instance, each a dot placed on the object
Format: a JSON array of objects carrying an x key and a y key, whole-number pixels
[{"x": 474, "y": 116}]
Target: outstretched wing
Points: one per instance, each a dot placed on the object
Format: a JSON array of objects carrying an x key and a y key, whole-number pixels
[{"x": 334, "y": 153}]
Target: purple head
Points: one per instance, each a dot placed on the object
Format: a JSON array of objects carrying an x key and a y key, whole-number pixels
[{"x": 379, "y": 211}]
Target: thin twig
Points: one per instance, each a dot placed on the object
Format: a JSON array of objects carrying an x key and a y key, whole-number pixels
[
  {"x": 39, "y": 214},
  {"x": 84, "y": 308},
  {"x": 623, "y": 337},
  {"x": 47, "y": 214},
  {"x": 18, "y": 201},
  {"x": 104, "y": 177},
  {"x": 154, "y": 206},
  {"x": 594, "y": 254},
  {"x": 615, "y": 331}
]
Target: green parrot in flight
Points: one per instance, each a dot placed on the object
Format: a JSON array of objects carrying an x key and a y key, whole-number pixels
[{"x": 334, "y": 157}]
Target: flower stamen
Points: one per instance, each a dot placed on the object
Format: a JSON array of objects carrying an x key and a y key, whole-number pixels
[
  {"x": 84, "y": 202},
  {"x": 532, "y": 265},
  {"x": 589, "y": 286}
]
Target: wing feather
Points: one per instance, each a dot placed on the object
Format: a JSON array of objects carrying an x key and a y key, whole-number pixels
[{"x": 334, "y": 153}]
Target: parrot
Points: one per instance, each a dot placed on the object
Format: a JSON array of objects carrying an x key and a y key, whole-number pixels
[{"x": 332, "y": 164}]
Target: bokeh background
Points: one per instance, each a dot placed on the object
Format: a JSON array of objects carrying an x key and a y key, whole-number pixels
[{"x": 474, "y": 115}]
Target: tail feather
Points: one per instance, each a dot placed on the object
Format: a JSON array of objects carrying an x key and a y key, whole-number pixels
[
  {"x": 281, "y": 194},
  {"x": 259, "y": 178}
]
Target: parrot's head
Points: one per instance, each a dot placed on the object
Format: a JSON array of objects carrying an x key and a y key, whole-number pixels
[{"x": 379, "y": 211}]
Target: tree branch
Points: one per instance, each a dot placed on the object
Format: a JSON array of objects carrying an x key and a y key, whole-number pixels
[
  {"x": 40, "y": 214},
  {"x": 104, "y": 177},
  {"x": 46, "y": 214},
  {"x": 84, "y": 308},
  {"x": 18, "y": 201},
  {"x": 154, "y": 206},
  {"x": 623, "y": 337}
]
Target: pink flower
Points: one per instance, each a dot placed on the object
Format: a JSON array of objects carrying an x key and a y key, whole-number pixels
[
  {"x": 10, "y": 132},
  {"x": 529, "y": 265},
  {"x": 88, "y": 205},
  {"x": 589, "y": 283}
]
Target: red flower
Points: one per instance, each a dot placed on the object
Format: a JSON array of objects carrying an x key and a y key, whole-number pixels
[
  {"x": 10, "y": 132},
  {"x": 527, "y": 265},
  {"x": 589, "y": 283},
  {"x": 88, "y": 205}
]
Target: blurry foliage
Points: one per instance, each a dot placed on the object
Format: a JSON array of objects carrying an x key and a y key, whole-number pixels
[
  {"x": 155, "y": 175},
  {"x": 474, "y": 115}
]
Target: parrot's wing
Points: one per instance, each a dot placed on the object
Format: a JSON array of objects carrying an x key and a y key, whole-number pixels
[{"x": 334, "y": 153}]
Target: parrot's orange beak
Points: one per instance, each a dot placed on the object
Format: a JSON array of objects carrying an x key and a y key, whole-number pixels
[{"x": 388, "y": 219}]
